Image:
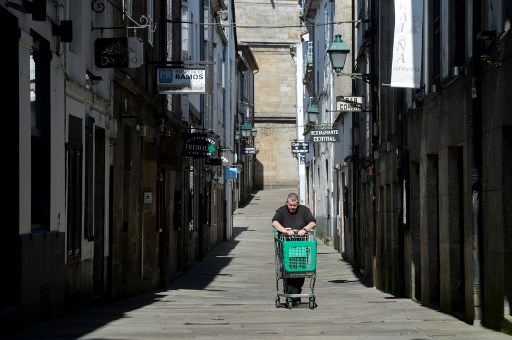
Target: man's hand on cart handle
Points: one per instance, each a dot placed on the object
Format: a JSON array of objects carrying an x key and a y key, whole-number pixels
[
  {"x": 289, "y": 232},
  {"x": 302, "y": 232},
  {"x": 307, "y": 229},
  {"x": 295, "y": 232}
]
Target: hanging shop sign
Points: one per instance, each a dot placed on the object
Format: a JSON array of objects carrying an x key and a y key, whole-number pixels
[
  {"x": 227, "y": 157},
  {"x": 201, "y": 145},
  {"x": 127, "y": 52},
  {"x": 302, "y": 158},
  {"x": 170, "y": 151},
  {"x": 250, "y": 150},
  {"x": 178, "y": 80},
  {"x": 326, "y": 135},
  {"x": 300, "y": 147},
  {"x": 406, "y": 64},
  {"x": 231, "y": 173},
  {"x": 346, "y": 104}
]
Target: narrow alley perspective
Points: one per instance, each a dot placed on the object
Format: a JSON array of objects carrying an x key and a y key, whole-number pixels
[
  {"x": 231, "y": 295},
  {"x": 150, "y": 144}
]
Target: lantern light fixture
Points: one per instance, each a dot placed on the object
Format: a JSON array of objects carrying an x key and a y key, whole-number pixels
[
  {"x": 312, "y": 109},
  {"x": 246, "y": 130},
  {"x": 338, "y": 52}
]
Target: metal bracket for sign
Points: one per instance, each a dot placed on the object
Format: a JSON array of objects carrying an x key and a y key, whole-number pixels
[
  {"x": 180, "y": 63},
  {"x": 98, "y": 6},
  {"x": 366, "y": 77},
  {"x": 347, "y": 111},
  {"x": 327, "y": 126}
]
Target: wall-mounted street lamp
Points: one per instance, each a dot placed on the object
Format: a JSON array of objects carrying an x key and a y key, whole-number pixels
[
  {"x": 312, "y": 110},
  {"x": 338, "y": 52},
  {"x": 247, "y": 130}
]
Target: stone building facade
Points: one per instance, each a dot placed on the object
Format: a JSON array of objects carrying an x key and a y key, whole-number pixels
[
  {"x": 426, "y": 193},
  {"x": 106, "y": 202},
  {"x": 270, "y": 28}
]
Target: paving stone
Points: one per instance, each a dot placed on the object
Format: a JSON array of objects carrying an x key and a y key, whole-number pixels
[{"x": 231, "y": 295}]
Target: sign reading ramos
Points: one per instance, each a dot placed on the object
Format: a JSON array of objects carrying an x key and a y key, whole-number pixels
[{"x": 180, "y": 80}]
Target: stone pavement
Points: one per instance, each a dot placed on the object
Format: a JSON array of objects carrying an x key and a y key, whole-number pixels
[{"x": 231, "y": 295}]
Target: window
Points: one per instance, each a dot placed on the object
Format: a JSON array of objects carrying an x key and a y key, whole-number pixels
[
  {"x": 206, "y": 19},
  {"x": 74, "y": 189},
  {"x": 128, "y": 8},
  {"x": 151, "y": 19},
  {"x": 436, "y": 42},
  {"x": 184, "y": 32},
  {"x": 76, "y": 16},
  {"x": 220, "y": 72},
  {"x": 89, "y": 180},
  {"x": 169, "y": 32},
  {"x": 40, "y": 56},
  {"x": 459, "y": 55}
]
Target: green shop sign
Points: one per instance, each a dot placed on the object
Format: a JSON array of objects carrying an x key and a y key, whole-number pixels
[{"x": 201, "y": 145}]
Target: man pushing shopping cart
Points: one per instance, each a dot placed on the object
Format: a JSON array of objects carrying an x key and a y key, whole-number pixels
[{"x": 295, "y": 250}]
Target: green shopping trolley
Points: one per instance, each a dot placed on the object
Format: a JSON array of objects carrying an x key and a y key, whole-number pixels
[{"x": 295, "y": 256}]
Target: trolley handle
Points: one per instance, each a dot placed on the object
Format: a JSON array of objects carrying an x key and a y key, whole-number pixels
[
  {"x": 296, "y": 231},
  {"x": 283, "y": 237}
]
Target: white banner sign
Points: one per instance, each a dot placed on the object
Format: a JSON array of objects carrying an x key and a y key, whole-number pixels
[
  {"x": 180, "y": 80},
  {"x": 407, "y": 44}
]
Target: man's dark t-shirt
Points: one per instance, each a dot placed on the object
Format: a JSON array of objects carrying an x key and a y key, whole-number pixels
[{"x": 294, "y": 221}]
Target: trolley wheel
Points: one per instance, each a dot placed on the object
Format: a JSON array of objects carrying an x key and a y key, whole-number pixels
[
  {"x": 278, "y": 302},
  {"x": 289, "y": 303},
  {"x": 312, "y": 303}
]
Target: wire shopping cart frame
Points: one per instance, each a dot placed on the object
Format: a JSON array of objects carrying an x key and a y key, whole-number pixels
[{"x": 295, "y": 256}]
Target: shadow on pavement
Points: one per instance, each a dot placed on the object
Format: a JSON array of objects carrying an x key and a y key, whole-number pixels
[{"x": 74, "y": 325}]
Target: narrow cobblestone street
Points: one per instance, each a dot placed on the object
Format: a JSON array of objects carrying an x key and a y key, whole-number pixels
[{"x": 231, "y": 295}]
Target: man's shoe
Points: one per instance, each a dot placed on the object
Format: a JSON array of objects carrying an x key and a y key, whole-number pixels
[{"x": 296, "y": 302}]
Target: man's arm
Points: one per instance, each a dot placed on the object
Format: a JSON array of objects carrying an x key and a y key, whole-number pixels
[
  {"x": 310, "y": 222},
  {"x": 276, "y": 224},
  {"x": 310, "y": 226},
  {"x": 279, "y": 227}
]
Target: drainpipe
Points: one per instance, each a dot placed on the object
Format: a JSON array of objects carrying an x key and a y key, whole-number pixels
[
  {"x": 355, "y": 165},
  {"x": 142, "y": 240},
  {"x": 401, "y": 193},
  {"x": 355, "y": 188},
  {"x": 374, "y": 137},
  {"x": 475, "y": 156}
]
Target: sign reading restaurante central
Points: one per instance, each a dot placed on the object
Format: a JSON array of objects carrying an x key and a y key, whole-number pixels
[{"x": 328, "y": 135}]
